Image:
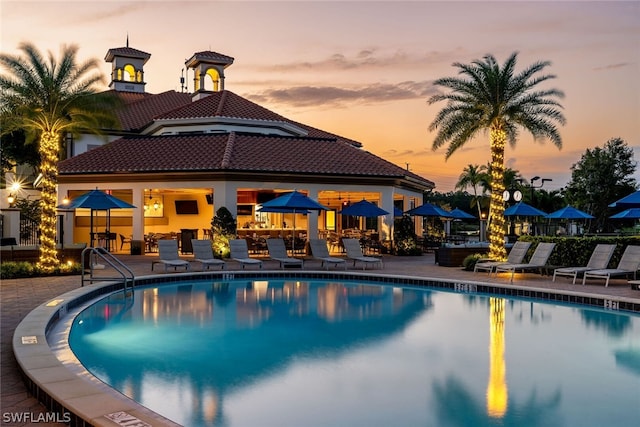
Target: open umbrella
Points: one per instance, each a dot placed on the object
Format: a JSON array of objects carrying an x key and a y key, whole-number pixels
[
  {"x": 427, "y": 209},
  {"x": 632, "y": 213},
  {"x": 569, "y": 212},
  {"x": 97, "y": 200},
  {"x": 364, "y": 208},
  {"x": 397, "y": 212},
  {"x": 292, "y": 202},
  {"x": 630, "y": 201},
  {"x": 523, "y": 209},
  {"x": 458, "y": 213}
]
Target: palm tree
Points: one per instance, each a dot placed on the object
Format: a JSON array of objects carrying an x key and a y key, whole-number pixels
[
  {"x": 494, "y": 98},
  {"x": 474, "y": 176},
  {"x": 48, "y": 99}
]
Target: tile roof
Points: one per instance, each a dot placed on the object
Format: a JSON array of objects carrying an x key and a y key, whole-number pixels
[
  {"x": 208, "y": 55},
  {"x": 126, "y": 52},
  {"x": 140, "y": 111},
  {"x": 241, "y": 152}
]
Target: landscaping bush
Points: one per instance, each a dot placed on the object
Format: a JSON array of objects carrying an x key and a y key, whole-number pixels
[
  {"x": 22, "y": 269},
  {"x": 576, "y": 251},
  {"x": 406, "y": 241},
  {"x": 469, "y": 263}
]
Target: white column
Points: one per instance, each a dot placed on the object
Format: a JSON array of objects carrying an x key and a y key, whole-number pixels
[
  {"x": 225, "y": 194},
  {"x": 312, "y": 217},
  {"x": 386, "y": 228},
  {"x": 137, "y": 225},
  {"x": 11, "y": 223}
]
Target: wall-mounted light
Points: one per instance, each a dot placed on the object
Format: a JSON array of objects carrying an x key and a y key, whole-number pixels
[{"x": 11, "y": 199}]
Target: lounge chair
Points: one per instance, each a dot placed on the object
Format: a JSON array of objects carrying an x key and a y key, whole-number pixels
[
  {"x": 278, "y": 252},
  {"x": 629, "y": 264},
  {"x": 599, "y": 259},
  {"x": 124, "y": 240},
  {"x": 168, "y": 255},
  {"x": 240, "y": 253},
  {"x": 354, "y": 252},
  {"x": 537, "y": 262},
  {"x": 319, "y": 251},
  {"x": 516, "y": 256},
  {"x": 203, "y": 253}
]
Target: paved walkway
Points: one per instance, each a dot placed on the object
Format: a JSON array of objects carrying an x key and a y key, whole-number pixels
[{"x": 18, "y": 297}]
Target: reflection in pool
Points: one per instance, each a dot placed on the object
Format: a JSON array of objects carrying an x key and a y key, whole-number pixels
[{"x": 326, "y": 353}]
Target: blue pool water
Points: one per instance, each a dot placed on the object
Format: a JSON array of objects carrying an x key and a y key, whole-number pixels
[{"x": 329, "y": 353}]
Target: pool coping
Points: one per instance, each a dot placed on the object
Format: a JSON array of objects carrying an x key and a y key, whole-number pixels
[{"x": 85, "y": 400}]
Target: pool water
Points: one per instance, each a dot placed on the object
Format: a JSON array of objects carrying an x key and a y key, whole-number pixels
[{"x": 330, "y": 353}]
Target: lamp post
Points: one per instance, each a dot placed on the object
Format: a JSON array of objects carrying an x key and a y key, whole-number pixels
[{"x": 532, "y": 186}]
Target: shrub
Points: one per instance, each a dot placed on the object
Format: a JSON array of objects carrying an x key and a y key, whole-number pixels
[
  {"x": 21, "y": 269},
  {"x": 469, "y": 263},
  {"x": 223, "y": 228},
  {"x": 406, "y": 242}
]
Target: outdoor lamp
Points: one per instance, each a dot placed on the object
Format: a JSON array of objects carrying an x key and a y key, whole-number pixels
[{"x": 11, "y": 198}]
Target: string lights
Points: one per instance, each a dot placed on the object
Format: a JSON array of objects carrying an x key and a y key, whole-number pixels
[
  {"x": 497, "y": 251},
  {"x": 49, "y": 143}
]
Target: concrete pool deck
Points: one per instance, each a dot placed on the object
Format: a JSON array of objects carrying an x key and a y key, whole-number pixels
[{"x": 20, "y": 296}]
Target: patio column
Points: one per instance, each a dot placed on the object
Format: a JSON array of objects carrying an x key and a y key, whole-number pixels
[
  {"x": 137, "y": 224},
  {"x": 386, "y": 227},
  {"x": 225, "y": 194},
  {"x": 312, "y": 217}
]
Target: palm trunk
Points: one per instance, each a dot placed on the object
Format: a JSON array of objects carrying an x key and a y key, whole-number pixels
[
  {"x": 497, "y": 249},
  {"x": 49, "y": 147}
]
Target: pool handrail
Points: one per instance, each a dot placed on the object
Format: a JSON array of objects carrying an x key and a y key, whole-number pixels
[{"x": 107, "y": 257}]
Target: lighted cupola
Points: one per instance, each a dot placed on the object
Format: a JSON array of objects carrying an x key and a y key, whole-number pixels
[
  {"x": 127, "y": 69},
  {"x": 208, "y": 72}
]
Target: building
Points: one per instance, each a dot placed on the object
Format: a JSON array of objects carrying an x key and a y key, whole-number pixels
[{"x": 181, "y": 156}]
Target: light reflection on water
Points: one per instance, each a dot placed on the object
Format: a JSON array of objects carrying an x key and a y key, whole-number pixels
[{"x": 311, "y": 353}]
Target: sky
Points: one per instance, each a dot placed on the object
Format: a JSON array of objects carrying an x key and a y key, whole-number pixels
[{"x": 364, "y": 69}]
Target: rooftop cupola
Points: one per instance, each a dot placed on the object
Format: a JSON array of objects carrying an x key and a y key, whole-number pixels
[
  {"x": 127, "y": 68},
  {"x": 208, "y": 72}
]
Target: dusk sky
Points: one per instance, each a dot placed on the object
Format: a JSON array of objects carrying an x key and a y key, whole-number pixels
[{"x": 364, "y": 70}]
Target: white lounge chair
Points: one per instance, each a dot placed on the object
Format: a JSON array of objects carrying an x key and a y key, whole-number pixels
[
  {"x": 628, "y": 265},
  {"x": 240, "y": 253},
  {"x": 168, "y": 255},
  {"x": 354, "y": 252},
  {"x": 537, "y": 262},
  {"x": 320, "y": 251},
  {"x": 599, "y": 259},
  {"x": 516, "y": 256},
  {"x": 278, "y": 252},
  {"x": 203, "y": 253}
]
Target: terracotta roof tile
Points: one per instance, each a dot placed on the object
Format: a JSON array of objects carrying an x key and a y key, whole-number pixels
[
  {"x": 234, "y": 151},
  {"x": 141, "y": 112},
  {"x": 210, "y": 55},
  {"x": 126, "y": 52}
]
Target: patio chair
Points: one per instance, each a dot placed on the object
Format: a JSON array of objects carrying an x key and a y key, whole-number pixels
[
  {"x": 124, "y": 240},
  {"x": 203, "y": 253},
  {"x": 320, "y": 251},
  {"x": 600, "y": 258},
  {"x": 278, "y": 252},
  {"x": 354, "y": 252},
  {"x": 516, "y": 256},
  {"x": 537, "y": 262},
  {"x": 168, "y": 256},
  {"x": 629, "y": 264},
  {"x": 240, "y": 253}
]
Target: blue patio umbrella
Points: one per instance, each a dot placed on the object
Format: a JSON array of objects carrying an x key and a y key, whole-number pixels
[
  {"x": 523, "y": 209},
  {"x": 427, "y": 209},
  {"x": 631, "y": 213},
  {"x": 293, "y": 202},
  {"x": 397, "y": 212},
  {"x": 630, "y": 201},
  {"x": 458, "y": 213},
  {"x": 97, "y": 200},
  {"x": 569, "y": 212},
  {"x": 364, "y": 208}
]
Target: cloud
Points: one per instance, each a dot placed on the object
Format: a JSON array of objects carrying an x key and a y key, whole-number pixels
[
  {"x": 614, "y": 66},
  {"x": 335, "y": 96},
  {"x": 366, "y": 59}
]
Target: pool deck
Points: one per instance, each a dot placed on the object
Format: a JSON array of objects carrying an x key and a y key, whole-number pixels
[{"x": 19, "y": 296}]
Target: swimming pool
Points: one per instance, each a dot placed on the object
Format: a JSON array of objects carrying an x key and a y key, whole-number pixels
[{"x": 305, "y": 352}]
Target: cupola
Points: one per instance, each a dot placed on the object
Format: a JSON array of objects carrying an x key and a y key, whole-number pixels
[
  {"x": 208, "y": 72},
  {"x": 127, "y": 68}
]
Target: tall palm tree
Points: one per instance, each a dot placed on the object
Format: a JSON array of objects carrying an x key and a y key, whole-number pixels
[
  {"x": 48, "y": 99},
  {"x": 497, "y": 99},
  {"x": 474, "y": 176}
]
